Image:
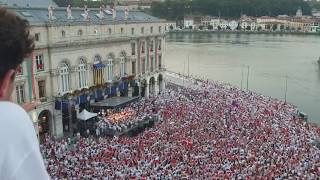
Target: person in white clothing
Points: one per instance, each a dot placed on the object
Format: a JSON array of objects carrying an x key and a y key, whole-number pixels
[{"x": 20, "y": 156}]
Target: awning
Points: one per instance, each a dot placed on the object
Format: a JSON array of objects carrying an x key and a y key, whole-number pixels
[{"x": 85, "y": 115}]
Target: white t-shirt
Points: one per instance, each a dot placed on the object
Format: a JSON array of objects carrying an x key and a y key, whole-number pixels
[{"x": 20, "y": 156}]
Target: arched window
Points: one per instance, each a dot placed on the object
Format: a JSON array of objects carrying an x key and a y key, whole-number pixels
[
  {"x": 82, "y": 71},
  {"x": 63, "y": 34},
  {"x": 159, "y": 44},
  {"x": 122, "y": 65},
  {"x": 64, "y": 78},
  {"x": 110, "y": 67},
  {"x": 98, "y": 71},
  {"x": 151, "y": 46}
]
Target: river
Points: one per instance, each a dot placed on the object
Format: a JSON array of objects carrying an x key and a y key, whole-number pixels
[{"x": 225, "y": 57}]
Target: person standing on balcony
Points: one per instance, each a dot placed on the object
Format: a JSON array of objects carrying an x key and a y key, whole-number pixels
[{"x": 20, "y": 156}]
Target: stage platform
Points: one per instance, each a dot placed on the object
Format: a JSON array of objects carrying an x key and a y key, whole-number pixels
[{"x": 114, "y": 102}]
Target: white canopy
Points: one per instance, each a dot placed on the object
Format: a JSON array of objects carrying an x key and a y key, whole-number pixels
[{"x": 85, "y": 115}]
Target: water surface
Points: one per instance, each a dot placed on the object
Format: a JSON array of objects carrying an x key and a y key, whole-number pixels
[{"x": 225, "y": 57}]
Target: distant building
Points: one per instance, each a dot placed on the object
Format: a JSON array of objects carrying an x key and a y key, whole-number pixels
[
  {"x": 170, "y": 26},
  {"x": 299, "y": 12},
  {"x": 249, "y": 25},
  {"x": 188, "y": 22},
  {"x": 233, "y": 24}
]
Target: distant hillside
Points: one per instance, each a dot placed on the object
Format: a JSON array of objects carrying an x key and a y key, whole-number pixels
[
  {"x": 314, "y": 4},
  {"x": 177, "y": 9}
]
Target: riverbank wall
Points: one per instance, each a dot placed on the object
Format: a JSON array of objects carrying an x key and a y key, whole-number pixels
[{"x": 246, "y": 32}]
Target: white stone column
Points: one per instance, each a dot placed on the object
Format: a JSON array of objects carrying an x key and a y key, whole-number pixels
[
  {"x": 146, "y": 93},
  {"x": 130, "y": 91},
  {"x": 163, "y": 85},
  {"x": 58, "y": 130},
  {"x": 156, "y": 88}
]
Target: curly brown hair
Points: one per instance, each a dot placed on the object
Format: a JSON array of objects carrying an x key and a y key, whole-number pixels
[{"x": 15, "y": 41}]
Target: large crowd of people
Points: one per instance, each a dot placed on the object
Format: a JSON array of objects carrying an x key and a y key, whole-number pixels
[
  {"x": 209, "y": 131},
  {"x": 120, "y": 120}
]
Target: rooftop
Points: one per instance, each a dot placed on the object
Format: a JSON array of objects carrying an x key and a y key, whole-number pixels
[
  {"x": 27, "y": 3},
  {"x": 39, "y": 16}
]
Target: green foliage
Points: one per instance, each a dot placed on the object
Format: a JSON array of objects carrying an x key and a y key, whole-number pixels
[
  {"x": 259, "y": 28},
  {"x": 177, "y": 9},
  {"x": 238, "y": 27},
  {"x": 274, "y": 27}
]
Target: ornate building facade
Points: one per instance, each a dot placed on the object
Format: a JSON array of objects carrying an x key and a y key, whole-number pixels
[{"x": 86, "y": 55}]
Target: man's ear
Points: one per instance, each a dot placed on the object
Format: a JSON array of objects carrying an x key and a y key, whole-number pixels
[{"x": 6, "y": 84}]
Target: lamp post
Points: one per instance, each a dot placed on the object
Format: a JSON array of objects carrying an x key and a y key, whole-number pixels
[
  {"x": 241, "y": 76},
  {"x": 286, "y": 89},
  {"x": 248, "y": 77}
]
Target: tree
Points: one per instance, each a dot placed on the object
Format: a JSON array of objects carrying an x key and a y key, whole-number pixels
[
  {"x": 219, "y": 28},
  {"x": 177, "y": 9},
  {"x": 259, "y": 28},
  {"x": 238, "y": 27},
  {"x": 210, "y": 27},
  {"x": 274, "y": 27}
]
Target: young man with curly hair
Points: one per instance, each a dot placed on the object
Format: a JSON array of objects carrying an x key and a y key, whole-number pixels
[{"x": 20, "y": 156}]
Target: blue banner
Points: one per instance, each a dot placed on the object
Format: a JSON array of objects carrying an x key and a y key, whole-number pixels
[
  {"x": 58, "y": 105},
  {"x": 99, "y": 65},
  {"x": 113, "y": 90},
  {"x": 83, "y": 98}
]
